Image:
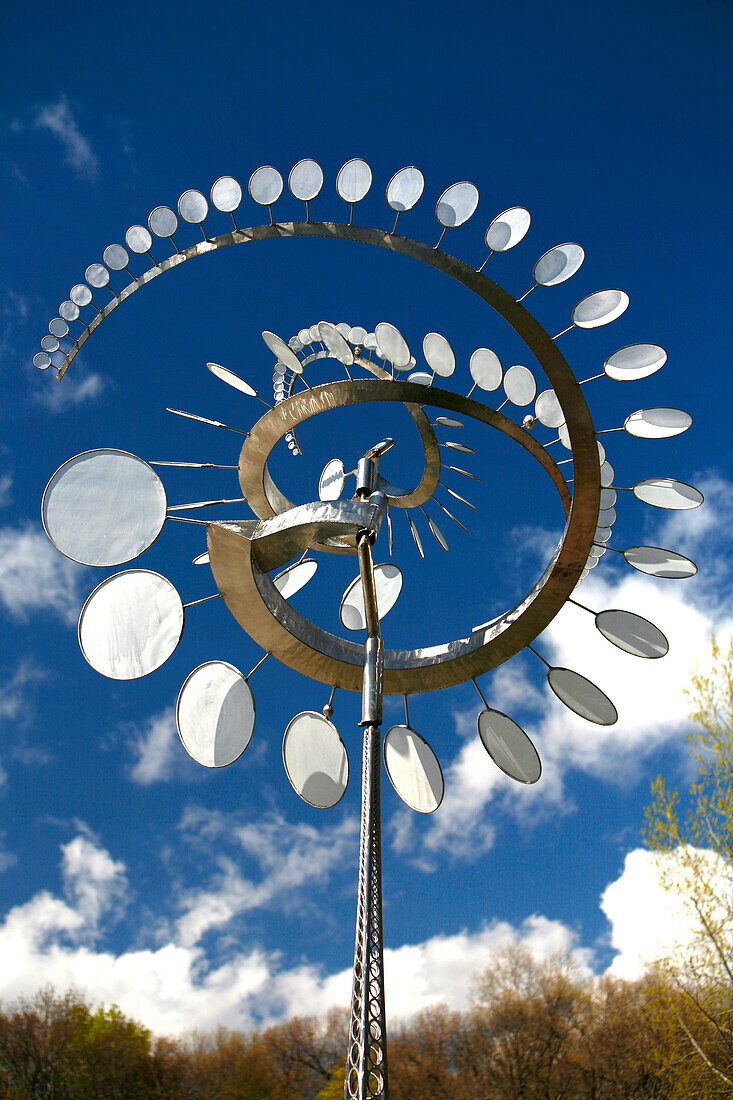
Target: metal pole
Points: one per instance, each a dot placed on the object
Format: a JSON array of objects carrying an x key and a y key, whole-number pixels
[{"x": 366, "y": 1059}]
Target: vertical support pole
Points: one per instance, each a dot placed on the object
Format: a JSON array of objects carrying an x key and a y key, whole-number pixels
[{"x": 366, "y": 1059}]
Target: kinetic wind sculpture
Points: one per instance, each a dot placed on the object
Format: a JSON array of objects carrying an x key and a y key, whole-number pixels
[{"x": 105, "y": 507}]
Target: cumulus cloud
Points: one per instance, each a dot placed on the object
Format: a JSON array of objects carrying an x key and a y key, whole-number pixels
[
  {"x": 34, "y": 576},
  {"x": 59, "y": 120},
  {"x": 156, "y": 748},
  {"x": 650, "y": 912},
  {"x": 70, "y": 391},
  {"x": 14, "y": 689},
  {"x": 649, "y": 694}
]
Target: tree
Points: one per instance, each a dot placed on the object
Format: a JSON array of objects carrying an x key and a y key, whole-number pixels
[{"x": 695, "y": 845}]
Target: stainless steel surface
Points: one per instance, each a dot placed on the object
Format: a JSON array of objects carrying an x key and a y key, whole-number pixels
[
  {"x": 558, "y": 264},
  {"x": 600, "y": 308},
  {"x": 635, "y": 361},
  {"x": 215, "y": 714},
  {"x": 315, "y": 759},
  {"x": 457, "y": 204},
  {"x": 660, "y": 423},
  {"x": 659, "y": 562},
  {"x": 509, "y": 746},
  {"x": 508, "y": 229},
  {"x": 413, "y": 769},
  {"x": 371, "y": 693}
]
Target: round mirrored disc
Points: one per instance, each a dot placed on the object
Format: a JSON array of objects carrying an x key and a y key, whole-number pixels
[
  {"x": 665, "y": 492},
  {"x": 456, "y": 205},
  {"x": 448, "y": 422},
  {"x": 439, "y": 355},
  {"x": 608, "y": 498},
  {"x": 314, "y": 334},
  {"x": 582, "y": 696},
  {"x": 103, "y": 507},
  {"x": 265, "y": 185},
  {"x": 509, "y": 746},
  {"x": 315, "y": 760},
  {"x": 304, "y": 335},
  {"x": 547, "y": 409},
  {"x": 420, "y": 377},
  {"x": 215, "y": 714},
  {"x": 558, "y": 264},
  {"x": 391, "y": 344},
  {"x": 138, "y": 239},
  {"x": 387, "y": 584},
  {"x": 600, "y": 308},
  {"x": 295, "y": 577},
  {"x": 357, "y": 335},
  {"x": 486, "y": 370},
  {"x": 335, "y": 343},
  {"x": 519, "y": 385},
  {"x": 370, "y": 342},
  {"x": 201, "y": 559},
  {"x": 80, "y": 294},
  {"x": 130, "y": 624},
  {"x": 413, "y": 769},
  {"x": 344, "y": 329},
  {"x": 601, "y": 452},
  {"x": 354, "y": 180},
  {"x": 42, "y": 360},
  {"x": 232, "y": 379},
  {"x": 607, "y": 474},
  {"x": 632, "y": 633},
  {"x": 657, "y": 423},
  {"x": 508, "y": 229},
  {"x": 97, "y": 275},
  {"x": 635, "y": 361},
  {"x": 226, "y": 194},
  {"x": 115, "y": 257},
  {"x": 295, "y": 344},
  {"x": 607, "y": 517},
  {"x": 602, "y": 534},
  {"x": 193, "y": 207},
  {"x": 284, "y": 354},
  {"x": 331, "y": 481},
  {"x": 50, "y": 343},
  {"x": 660, "y": 563},
  {"x": 405, "y": 188},
  {"x": 162, "y": 221},
  {"x": 58, "y": 327},
  {"x": 305, "y": 180},
  {"x": 69, "y": 311}
]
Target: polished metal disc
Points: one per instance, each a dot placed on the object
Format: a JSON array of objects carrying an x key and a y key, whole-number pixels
[
  {"x": 69, "y": 311},
  {"x": 607, "y": 517},
  {"x": 115, "y": 257},
  {"x": 295, "y": 577},
  {"x": 448, "y": 422},
  {"x": 547, "y": 409},
  {"x": 387, "y": 585},
  {"x": 42, "y": 360},
  {"x": 582, "y": 696},
  {"x": 420, "y": 377},
  {"x": 138, "y": 239},
  {"x": 97, "y": 275},
  {"x": 519, "y": 385},
  {"x": 405, "y": 188},
  {"x": 315, "y": 760},
  {"x": 305, "y": 180},
  {"x": 215, "y": 714},
  {"x": 558, "y": 264},
  {"x": 58, "y": 327},
  {"x": 439, "y": 355},
  {"x": 202, "y": 559},
  {"x": 413, "y": 769},
  {"x": 635, "y": 361},
  {"x": 509, "y": 746},
  {"x": 331, "y": 481},
  {"x": 50, "y": 344},
  {"x": 659, "y": 423},
  {"x": 265, "y": 185},
  {"x": 162, "y": 221},
  {"x": 457, "y": 204},
  {"x": 600, "y": 308},
  {"x": 357, "y": 335},
  {"x": 354, "y": 180},
  {"x": 609, "y": 497},
  {"x": 658, "y": 562},
  {"x": 130, "y": 624},
  {"x": 103, "y": 507},
  {"x": 335, "y": 343},
  {"x": 665, "y": 492},
  {"x": 508, "y": 229},
  {"x": 632, "y": 633},
  {"x": 283, "y": 352},
  {"x": 232, "y": 379},
  {"x": 392, "y": 345},
  {"x": 486, "y": 370},
  {"x": 193, "y": 207},
  {"x": 607, "y": 475},
  {"x": 226, "y": 194}
]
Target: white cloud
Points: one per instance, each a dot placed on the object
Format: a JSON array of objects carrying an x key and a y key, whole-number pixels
[
  {"x": 651, "y": 921},
  {"x": 57, "y": 396},
  {"x": 13, "y": 691},
  {"x": 157, "y": 749},
  {"x": 59, "y": 119},
  {"x": 6, "y": 482},
  {"x": 35, "y": 576},
  {"x": 7, "y": 859}
]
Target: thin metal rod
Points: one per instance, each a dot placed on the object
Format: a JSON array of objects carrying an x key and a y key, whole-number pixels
[
  {"x": 234, "y": 219},
  {"x": 458, "y": 496},
  {"x": 544, "y": 662},
  {"x": 440, "y": 238},
  {"x": 260, "y": 662},
  {"x": 192, "y": 465},
  {"x": 175, "y": 245},
  {"x": 473, "y": 387},
  {"x": 394, "y": 227},
  {"x": 185, "y": 519},
  {"x": 605, "y": 431},
  {"x": 563, "y": 331},
  {"x": 592, "y": 378},
  {"x": 483, "y": 265},
  {"x": 330, "y": 698},
  {"x": 478, "y": 689},
  {"x": 204, "y": 599},
  {"x": 205, "y": 420},
  {"x": 407, "y": 713},
  {"x": 458, "y": 470},
  {"x": 582, "y": 605},
  {"x": 533, "y": 287},
  {"x": 351, "y": 215},
  {"x": 204, "y": 504},
  {"x": 506, "y": 402},
  {"x": 450, "y": 514}
]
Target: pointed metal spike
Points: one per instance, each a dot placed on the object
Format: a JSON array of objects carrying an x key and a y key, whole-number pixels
[
  {"x": 192, "y": 465},
  {"x": 204, "y": 504},
  {"x": 459, "y": 447},
  {"x": 450, "y": 515},
  {"x": 389, "y": 531},
  {"x": 415, "y": 535},
  {"x": 205, "y": 420},
  {"x": 458, "y": 470},
  {"x": 438, "y": 534},
  {"x": 458, "y": 497}
]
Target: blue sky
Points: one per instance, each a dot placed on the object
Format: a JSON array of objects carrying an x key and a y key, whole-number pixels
[{"x": 193, "y": 898}]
